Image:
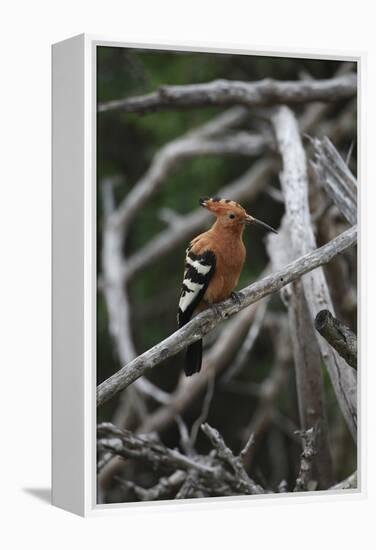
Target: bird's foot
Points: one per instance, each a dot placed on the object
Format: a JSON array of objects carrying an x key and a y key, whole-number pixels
[
  {"x": 216, "y": 310},
  {"x": 236, "y": 297}
]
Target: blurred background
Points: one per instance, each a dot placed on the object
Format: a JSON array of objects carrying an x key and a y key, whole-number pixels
[{"x": 235, "y": 400}]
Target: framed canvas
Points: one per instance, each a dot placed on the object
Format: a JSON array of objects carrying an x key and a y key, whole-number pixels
[{"x": 205, "y": 275}]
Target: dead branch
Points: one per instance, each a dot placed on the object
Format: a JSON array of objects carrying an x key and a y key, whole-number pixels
[
  {"x": 304, "y": 480},
  {"x": 215, "y": 360},
  {"x": 268, "y": 391},
  {"x": 204, "y": 140},
  {"x": 224, "y": 92},
  {"x": 339, "y": 336},
  {"x": 209, "y": 472},
  {"x": 295, "y": 187},
  {"x": 333, "y": 174},
  {"x": 307, "y": 360},
  {"x": 206, "y": 321},
  {"x": 163, "y": 489},
  {"x": 243, "y": 481},
  {"x": 248, "y": 343}
]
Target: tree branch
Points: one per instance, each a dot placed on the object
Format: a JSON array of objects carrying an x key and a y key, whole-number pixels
[
  {"x": 231, "y": 92},
  {"x": 339, "y": 336},
  {"x": 206, "y": 321},
  {"x": 243, "y": 482},
  {"x": 307, "y": 359},
  {"x": 294, "y": 182},
  {"x": 208, "y": 471},
  {"x": 333, "y": 174},
  {"x": 304, "y": 478}
]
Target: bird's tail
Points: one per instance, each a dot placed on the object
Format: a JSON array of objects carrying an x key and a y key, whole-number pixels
[{"x": 193, "y": 358}]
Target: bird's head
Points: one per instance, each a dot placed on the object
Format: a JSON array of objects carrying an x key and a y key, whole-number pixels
[{"x": 230, "y": 214}]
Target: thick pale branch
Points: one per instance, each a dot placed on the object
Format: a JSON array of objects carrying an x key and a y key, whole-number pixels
[
  {"x": 231, "y": 92},
  {"x": 206, "y": 321},
  {"x": 294, "y": 182}
]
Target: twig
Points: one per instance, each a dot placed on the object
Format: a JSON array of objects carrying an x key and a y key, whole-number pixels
[
  {"x": 247, "y": 446},
  {"x": 164, "y": 487},
  {"x": 304, "y": 478},
  {"x": 248, "y": 343},
  {"x": 224, "y": 92},
  {"x": 243, "y": 481},
  {"x": 207, "y": 473},
  {"x": 339, "y": 336},
  {"x": 206, "y": 321},
  {"x": 204, "y": 412},
  {"x": 124, "y": 443}
]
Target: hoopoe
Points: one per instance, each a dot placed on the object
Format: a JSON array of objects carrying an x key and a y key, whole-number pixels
[{"x": 213, "y": 263}]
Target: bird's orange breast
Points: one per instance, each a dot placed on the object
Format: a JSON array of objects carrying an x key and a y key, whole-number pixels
[{"x": 230, "y": 254}]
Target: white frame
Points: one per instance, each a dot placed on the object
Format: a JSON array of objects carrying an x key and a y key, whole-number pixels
[{"x": 74, "y": 278}]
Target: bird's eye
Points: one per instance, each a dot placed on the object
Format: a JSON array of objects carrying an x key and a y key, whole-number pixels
[{"x": 231, "y": 216}]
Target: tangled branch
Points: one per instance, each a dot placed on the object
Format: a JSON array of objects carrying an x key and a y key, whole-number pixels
[{"x": 206, "y": 321}]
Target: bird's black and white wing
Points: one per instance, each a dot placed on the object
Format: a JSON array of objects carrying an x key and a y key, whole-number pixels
[{"x": 199, "y": 269}]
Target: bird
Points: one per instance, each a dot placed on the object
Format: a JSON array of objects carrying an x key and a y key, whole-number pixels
[{"x": 213, "y": 263}]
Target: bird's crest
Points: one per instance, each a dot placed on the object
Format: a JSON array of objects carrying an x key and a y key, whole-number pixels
[{"x": 218, "y": 206}]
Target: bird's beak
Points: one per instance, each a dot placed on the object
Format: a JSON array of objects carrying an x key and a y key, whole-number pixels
[
  {"x": 203, "y": 201},
  {"x": 250, "y": 220}
]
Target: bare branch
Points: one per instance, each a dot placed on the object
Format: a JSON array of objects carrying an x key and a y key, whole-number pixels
[
  {"x": 248, "y": 343},
  {"x": 339, "y": 336},
  {"x": 124, "y": 443},
  {"x": 163, "y": 489},
  {"x": 268, "y": 392},
  {"x": 295, "y": 187},
  {"x": 307, "y": 359},
  {"x": 333, "y": 174},
  {"x": 245, "y": 189},
  {"x": 206, "y": 321},
  {"x": 204, "y": 412},
  {"x": 304, "y": 480},
  {"x": 231, "y": 92},
  {"x": 205, "y": 472},
  {"x": 243, "y": 481},
  {"x": 215, "y": 360}
]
